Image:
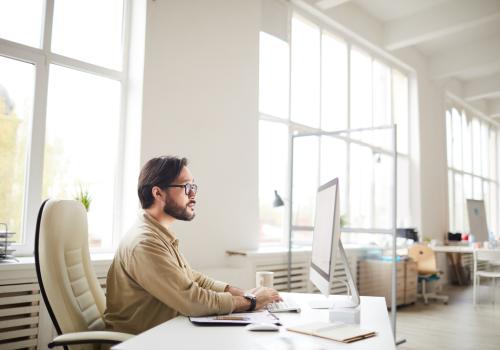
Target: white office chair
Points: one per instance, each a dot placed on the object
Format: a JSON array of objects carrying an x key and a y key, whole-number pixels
[
  {"x": 491, "y": 256},
  {"x": 68, "y": 284}
]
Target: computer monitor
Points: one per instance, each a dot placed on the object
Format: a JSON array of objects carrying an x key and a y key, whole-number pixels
[
  {"x": 327, "y": 247},
  {"x": 477, "y": 220}
]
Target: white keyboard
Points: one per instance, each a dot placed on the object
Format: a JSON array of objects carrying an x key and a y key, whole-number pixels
[{"x": 288, "y": 305}]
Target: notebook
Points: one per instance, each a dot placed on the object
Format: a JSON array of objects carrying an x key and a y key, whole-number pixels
[{"x": 342, "y": 332}]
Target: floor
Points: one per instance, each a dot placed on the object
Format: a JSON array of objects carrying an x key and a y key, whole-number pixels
[{"x": 458, "y": 325}]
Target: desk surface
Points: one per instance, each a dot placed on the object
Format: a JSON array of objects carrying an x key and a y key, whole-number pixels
[
  {"x": 452, "y": 249},
  {"x": 180, "y": 334}
]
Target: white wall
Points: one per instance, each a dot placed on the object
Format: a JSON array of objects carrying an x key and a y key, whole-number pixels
[
  {"x": 201, "y": 102},
  {"x": 432, "y": 163}
]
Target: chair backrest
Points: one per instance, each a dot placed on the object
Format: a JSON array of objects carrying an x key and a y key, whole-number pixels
[
  {"x": 491, "y": 255},
  {"x": 67, "y": 280},
  {"x": 425, "y": 258}
]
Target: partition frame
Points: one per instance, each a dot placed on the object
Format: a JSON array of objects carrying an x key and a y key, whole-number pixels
[{"x": 393, "y": 230}]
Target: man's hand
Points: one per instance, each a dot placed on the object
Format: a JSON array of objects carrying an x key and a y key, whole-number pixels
[{"x": 265, "y": 296}]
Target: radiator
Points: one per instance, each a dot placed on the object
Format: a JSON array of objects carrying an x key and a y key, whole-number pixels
[
  {"x": 19, "y": 316},
  {"x": 298, "y": 280},
  {"x": 24, "y": 320},
  {"x": 277, "y": 262}
]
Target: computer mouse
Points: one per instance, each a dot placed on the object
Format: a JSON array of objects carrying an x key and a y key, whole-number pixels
[{"x": 262, "y": 327}]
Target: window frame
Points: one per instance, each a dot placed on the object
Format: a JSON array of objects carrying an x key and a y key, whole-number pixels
[
  {"x": 294, "y": 126},
  {"x": 42, "y": 58},
  {"x": 452, "y": 171}
]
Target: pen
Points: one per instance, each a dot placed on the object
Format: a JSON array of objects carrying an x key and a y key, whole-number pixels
[
  {"x": 276, "y": 318},
  {"x": 231, "y": 318}
]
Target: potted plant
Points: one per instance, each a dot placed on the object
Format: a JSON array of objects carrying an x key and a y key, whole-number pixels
[{"x": 84, "y": 197}]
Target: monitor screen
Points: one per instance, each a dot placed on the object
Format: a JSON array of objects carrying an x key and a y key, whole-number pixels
[
  {"x": 327, "y": 248},
  {"x": 324, "y": 227},
  {"x": 477, "y": 220}
]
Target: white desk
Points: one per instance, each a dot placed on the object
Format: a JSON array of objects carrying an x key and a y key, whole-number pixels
[
  {"x": 453, "y": 253},
  {"x": 180, "y": 334},
  {"x": 452, "y": 249}
]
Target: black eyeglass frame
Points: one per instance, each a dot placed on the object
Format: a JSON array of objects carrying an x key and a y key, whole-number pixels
[{"x": 187, "y": 188}]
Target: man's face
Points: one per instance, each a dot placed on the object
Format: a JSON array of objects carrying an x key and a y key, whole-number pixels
[{"x": 178, "y": 204}]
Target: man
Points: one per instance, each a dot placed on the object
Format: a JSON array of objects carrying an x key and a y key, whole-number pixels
[{"x": 150, "y": 281}]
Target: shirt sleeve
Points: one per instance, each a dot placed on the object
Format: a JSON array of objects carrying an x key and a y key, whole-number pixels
[
  {"x": 208, "y": 283},
  {"x": 156, "y": 269}
]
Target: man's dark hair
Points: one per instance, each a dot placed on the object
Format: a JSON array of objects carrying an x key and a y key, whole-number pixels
[{"x": 161, "y": 172}]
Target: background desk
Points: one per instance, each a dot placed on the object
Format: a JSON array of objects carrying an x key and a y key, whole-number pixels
[
  {"x": 180, "y": 334},
  {"x": 452, "y": 249},
  {"x": 453, "y": 253}
]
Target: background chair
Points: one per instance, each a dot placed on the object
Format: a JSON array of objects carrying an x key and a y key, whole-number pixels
[
  {"x": 491, "y": 256},
  {"x": 68, "y": 284},
  {"x": 427, "y": 271}
]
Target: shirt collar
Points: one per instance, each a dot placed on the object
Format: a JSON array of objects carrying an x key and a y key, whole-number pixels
[{"x": 159, "y": 227}]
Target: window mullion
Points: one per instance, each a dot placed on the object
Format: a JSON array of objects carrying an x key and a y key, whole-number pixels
[
  {"x": 452, "y": 126},
  {"x": 85, "y": 67},
  {"x": 118, "y": 201},
  {"x": 47, "y": 26},
  {"x": 462, "y": 133},
  {"x": 495, "y": 180},
  {"x": 320, "y": 148},
  {"x": 36, "y": 140},
  {"x": 453, "y": 201},
  {"x": 372, "y": 92},
  {"x": 289, "y": 179},
  {"x": 34, "y": 177},
  {"x": 348, "y": 144},
  {"x": 20, "y": 52}
]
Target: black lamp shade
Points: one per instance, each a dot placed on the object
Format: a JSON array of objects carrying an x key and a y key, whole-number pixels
[{"x": 278, "y": 201}]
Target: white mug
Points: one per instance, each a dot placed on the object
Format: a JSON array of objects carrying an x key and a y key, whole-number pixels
[{"x": 264, "y": 279}]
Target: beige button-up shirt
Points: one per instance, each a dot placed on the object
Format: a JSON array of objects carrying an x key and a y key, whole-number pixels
[{"x": 150, "y": 282}]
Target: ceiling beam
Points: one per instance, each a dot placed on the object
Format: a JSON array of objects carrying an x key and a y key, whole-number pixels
[
  {"x": 439, "y": 21},
  {"x": 494, "y": 108},
  {"x": 479, "y": 56},
  {"x": 483, "y": 88},
  {"x": 328, "y": 4}
]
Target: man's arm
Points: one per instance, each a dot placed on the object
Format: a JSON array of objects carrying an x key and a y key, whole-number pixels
[
  {"x": 156, "y": 269},
  {"x": 207, "y": 282},
  {"x": 235, "y": 291}
]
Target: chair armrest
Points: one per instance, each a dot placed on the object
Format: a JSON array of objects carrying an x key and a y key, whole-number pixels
[{"x": 95, "y": 337}]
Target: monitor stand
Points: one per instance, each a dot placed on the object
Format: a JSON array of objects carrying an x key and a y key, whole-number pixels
[{"x": 348, "y": 302}]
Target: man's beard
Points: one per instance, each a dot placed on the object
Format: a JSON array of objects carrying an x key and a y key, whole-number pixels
[{"x": 178, "y": 212}]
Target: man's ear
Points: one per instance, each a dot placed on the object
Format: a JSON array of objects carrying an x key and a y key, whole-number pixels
[{"x": 156, "y": 192}]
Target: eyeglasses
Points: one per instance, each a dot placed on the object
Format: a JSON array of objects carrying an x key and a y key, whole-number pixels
[{"x": 188, "y": 188}]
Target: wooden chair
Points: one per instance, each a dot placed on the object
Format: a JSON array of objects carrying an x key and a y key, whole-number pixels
[{"x": 427, "y": 271}]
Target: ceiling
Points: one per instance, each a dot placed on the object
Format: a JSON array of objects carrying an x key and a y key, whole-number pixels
[
  {"x": 387, "y": 10},
  {"x": 460, "y": 38}
]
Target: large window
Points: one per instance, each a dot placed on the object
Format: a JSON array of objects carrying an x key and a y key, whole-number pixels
[
  {"x": 321, "y": 82},
  {"x": 61, "y": 115},
  {"x": 472, "y": 167}
]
